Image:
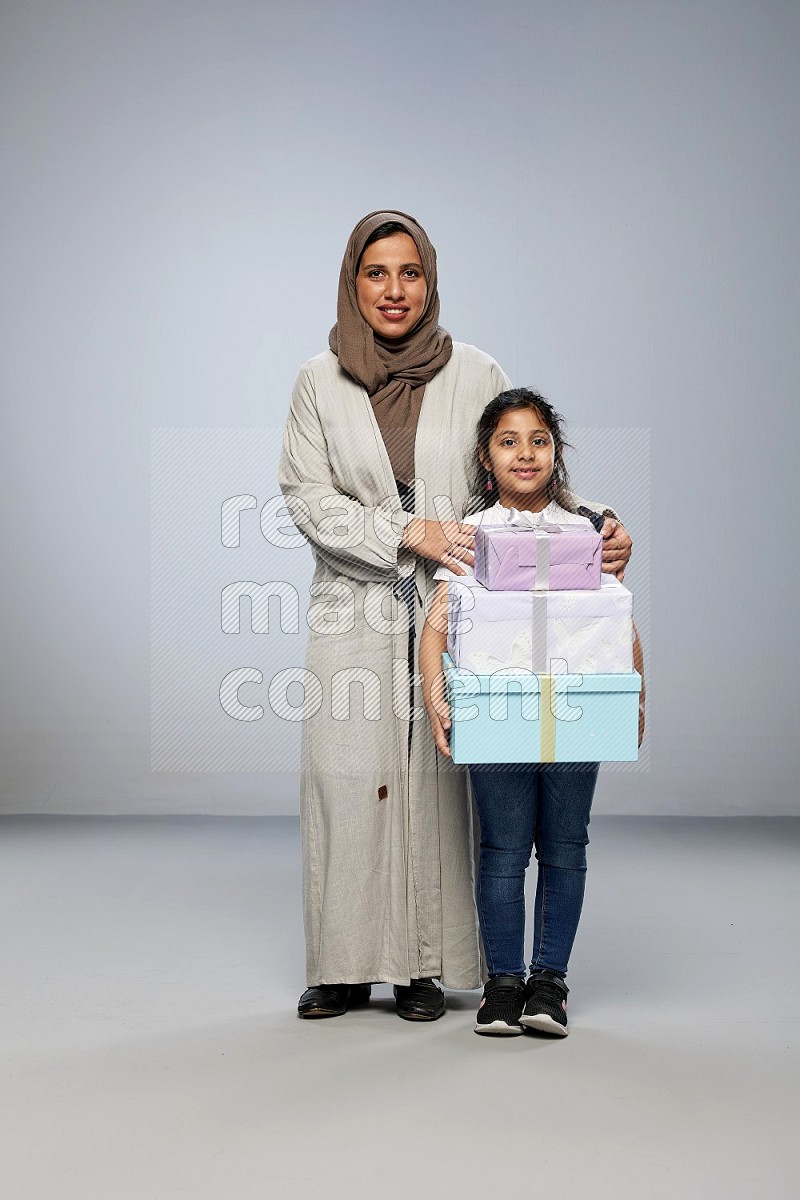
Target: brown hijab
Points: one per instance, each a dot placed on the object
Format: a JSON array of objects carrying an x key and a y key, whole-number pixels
[{"x": 393, "y": 371}]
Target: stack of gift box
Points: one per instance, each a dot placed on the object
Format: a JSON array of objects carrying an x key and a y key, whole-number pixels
[{"x": 539, "y": 662}]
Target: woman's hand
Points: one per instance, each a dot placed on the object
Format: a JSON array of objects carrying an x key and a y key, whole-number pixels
[
  {"x": 617, "y": 545},
  {"x": 447, "y": 542},
  {"x": 439, "y": 715}
]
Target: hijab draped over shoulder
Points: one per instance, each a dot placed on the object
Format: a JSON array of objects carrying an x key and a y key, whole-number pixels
[{"x": 393, "y": 371}]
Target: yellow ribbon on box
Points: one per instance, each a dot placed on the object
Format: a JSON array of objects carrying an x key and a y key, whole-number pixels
[{"x": 547, "y": 718}]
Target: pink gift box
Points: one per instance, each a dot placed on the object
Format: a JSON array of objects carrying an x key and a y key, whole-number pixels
[{"x": 545, "y": 558}]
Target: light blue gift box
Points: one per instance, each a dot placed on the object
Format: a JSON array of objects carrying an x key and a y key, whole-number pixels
[{"x": 521, "y": 717}]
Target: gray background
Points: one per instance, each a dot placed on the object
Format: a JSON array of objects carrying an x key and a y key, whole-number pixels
[{"x": 613, "y": 192}]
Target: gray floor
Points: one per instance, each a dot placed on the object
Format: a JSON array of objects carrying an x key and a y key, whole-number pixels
[{"x": 150, "y": 969}]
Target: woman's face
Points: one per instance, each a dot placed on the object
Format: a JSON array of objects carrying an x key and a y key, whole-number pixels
[
  {"x": 390, "y": 286},
  {"x": 521, "y": 455}
]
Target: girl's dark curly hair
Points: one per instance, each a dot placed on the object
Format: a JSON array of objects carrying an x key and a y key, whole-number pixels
[{"x": 558, "y": 488}]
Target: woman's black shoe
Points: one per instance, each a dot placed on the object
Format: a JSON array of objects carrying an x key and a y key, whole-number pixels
[
  {"x": 332, "y": 999},
  {"x": 422, "y": 1000}
]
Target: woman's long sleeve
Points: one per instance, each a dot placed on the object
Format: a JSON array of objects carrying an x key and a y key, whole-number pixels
[{"x": 357, "y": 540}]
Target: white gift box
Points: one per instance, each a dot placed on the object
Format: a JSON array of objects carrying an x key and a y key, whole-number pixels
[{"x": 582, "y": 632}]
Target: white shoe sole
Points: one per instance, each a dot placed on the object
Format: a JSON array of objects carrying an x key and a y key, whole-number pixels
[
  {"x": 544, "y": 1024},
  {"x": 499, "y": 1028}
]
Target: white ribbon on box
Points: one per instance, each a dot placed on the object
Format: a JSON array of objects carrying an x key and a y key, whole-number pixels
[
  {"x": 529, "y": 648},
  {"x": 522, "y": 519}
]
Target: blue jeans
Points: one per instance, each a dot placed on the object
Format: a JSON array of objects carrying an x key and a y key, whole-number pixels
[{"x": 545, "y": 805}]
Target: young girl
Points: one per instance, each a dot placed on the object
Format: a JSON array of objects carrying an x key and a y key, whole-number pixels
[{"x": 519, "y": 465}]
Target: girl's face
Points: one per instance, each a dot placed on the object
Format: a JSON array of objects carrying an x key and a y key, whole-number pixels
[
  {"x": 390, "y": 286},
  {"x": 521, "y": 455}
]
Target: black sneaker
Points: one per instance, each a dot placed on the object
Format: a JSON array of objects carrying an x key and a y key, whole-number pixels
[
  {"x": 500, "y": 1008},
  {"x": 546, "y": 1004}
]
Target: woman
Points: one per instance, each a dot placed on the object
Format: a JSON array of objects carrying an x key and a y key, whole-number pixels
[{"x": 375, "y": 473}]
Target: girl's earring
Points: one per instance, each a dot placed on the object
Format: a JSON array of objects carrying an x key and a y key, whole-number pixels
[{"x": 489, "y": 484}]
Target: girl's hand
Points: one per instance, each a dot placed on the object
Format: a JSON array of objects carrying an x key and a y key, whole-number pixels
[
  {"x": 617, "y": 545},
  {"x": 638, "y": 665},
  {"x": 439, "y": 715},
  {"x": 440, "y": 728},
  {"x": 447, "y": 542}
]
